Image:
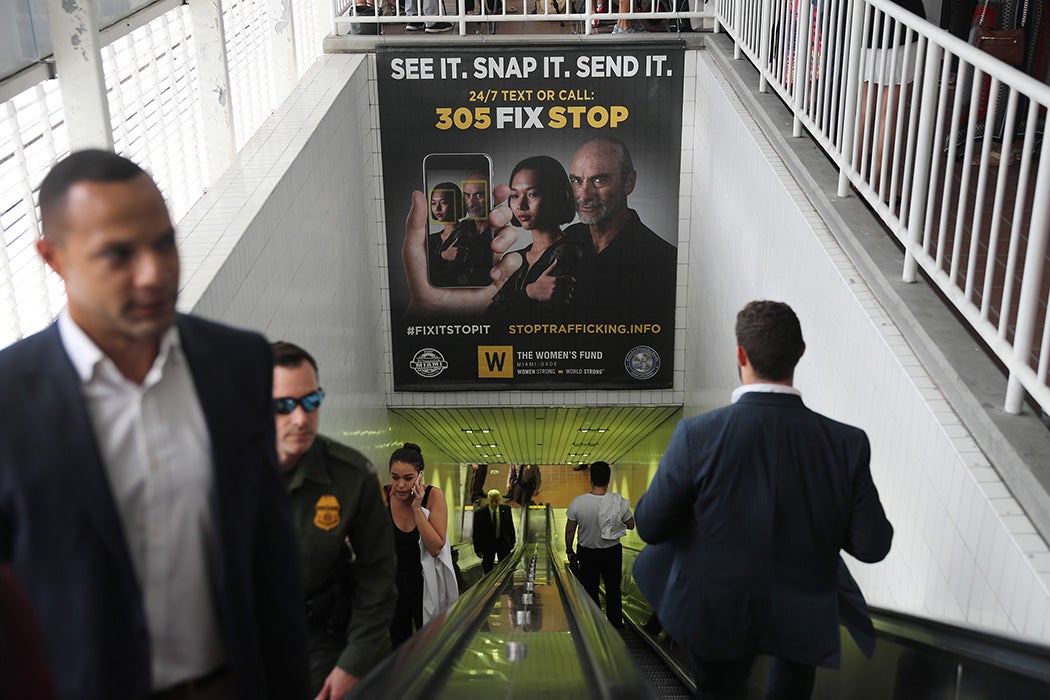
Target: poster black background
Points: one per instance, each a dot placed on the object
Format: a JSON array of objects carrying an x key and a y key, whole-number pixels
[{"x": 652, "y": 132}]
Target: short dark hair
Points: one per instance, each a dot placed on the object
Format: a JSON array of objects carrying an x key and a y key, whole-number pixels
[
  {"x": 626, "y": 162},
  {"x": 92, "y": 165},
  {"x": 409, "y": 453},
  {"x": 600, "y": 473},
  {"x": 287, "y": 354},
  {"x": 771, "y": 336},
  {"x": 553, "y": 184}
]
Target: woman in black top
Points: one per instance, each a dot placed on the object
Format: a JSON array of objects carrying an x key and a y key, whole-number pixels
[
  {"x": 407, "y": 497},
  {"x": 541, "y": 200}
]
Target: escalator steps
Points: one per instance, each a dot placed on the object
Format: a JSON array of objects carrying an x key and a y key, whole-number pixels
[{"x": 655, "y": 671}]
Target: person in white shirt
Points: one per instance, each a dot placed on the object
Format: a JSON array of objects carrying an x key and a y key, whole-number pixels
[
  {"x": 600, "y": 518},
  {"x": 140, "y": 503}
]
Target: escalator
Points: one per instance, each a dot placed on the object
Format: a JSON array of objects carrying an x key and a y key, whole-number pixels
[{"x": 528, "y": 630}]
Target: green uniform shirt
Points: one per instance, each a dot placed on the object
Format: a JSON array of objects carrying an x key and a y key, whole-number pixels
[{"x": 335, "y": 495}]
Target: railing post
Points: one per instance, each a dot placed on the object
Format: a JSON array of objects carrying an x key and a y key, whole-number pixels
[
  {"x": 213, "y": 71},
  {"x": 803, "y": 29},
  {"x": 849, "y": 105},
  {"x": 738, "y": 10},
  {"x": 923, "y": 150},
  {"x": 1031, "y": 281},
  {"x": 329, "y": 11},
  {"x": 282, "y": 42},
  {"x": 78, "y": 62},
  {"x": 764, "y": 29}
]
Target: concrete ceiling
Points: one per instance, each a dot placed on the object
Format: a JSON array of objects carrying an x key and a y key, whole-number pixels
[{"x": 569, "y": 435}]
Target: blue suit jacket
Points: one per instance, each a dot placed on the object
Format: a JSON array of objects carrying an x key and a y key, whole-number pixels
[
  {"x": 60, "y": 529},
  {"x": 746, "y": 517}
]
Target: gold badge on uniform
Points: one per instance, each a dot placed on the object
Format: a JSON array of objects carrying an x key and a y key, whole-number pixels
[{"x": 326, "y": 513}]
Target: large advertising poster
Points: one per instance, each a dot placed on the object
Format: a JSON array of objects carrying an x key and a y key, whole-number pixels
[{"x": 532, "y": 214}]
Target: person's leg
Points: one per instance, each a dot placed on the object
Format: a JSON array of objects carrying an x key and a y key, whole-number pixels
[
  {"x": 401, "y": 624},
  {"x": 487, "y": 561},
  {"x": 590, "y": 571},
  {"x": 477, "y": 483},
  {"x": 887, "y": 134},
  {"x": 612, "y": 570},
  {"x": 863, "y": 130},
  {"x": 789, "y": 680},
  {"x": 723, "y": 679},
  {"x": 417, "y": 605}
]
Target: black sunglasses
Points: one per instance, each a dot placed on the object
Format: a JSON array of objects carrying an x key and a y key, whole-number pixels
[{"x": 310, "y": 403}]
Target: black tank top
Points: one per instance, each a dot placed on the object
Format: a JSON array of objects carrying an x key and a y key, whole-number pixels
[{"x": 406, "y": 544}]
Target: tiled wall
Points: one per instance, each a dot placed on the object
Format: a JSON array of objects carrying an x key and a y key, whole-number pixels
[
  {"x": 290, "y": 242},
  {"x": 285, "y": 243},
  {"x": 963, "y": 550}
]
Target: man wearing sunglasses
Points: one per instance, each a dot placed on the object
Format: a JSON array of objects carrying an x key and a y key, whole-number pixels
[{"x": 346, "y": 543}]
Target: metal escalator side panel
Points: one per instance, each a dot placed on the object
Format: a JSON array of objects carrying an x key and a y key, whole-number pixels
[{"x": 611, "y": 672}]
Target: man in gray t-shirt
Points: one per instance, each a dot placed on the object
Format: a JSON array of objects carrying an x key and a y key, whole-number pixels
[{"x": 602, "y": 519}]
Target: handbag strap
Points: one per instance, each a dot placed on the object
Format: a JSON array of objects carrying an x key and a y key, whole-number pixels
[{"x": 984, "y": 10}]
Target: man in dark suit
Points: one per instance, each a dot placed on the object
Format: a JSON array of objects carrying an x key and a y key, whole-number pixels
[
  {"x": 493, "y": 531},
  {"x": 140, "y": 504},
  {"x": 745, "y": 518},
  {"x": 23, "y": 672}
]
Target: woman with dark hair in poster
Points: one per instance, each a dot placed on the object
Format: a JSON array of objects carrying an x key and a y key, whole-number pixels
[
  {"x": 445, "y": 255},
  {"x": 547, "y": 282}
]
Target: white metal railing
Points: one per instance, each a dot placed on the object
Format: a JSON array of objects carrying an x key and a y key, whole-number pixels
[
  {"x": 584, "y": 16},
  {"x": 152, "y": 80},
  {"x": 951, "y": 157}
]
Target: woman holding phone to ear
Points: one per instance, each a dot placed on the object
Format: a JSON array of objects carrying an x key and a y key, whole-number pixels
[
  {"x": 420, "y": 519},
  {"x": 541, "y": 200}
]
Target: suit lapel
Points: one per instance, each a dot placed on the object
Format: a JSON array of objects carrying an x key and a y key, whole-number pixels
[
  {"x": 212, "y": 391},
  {"x": 222, "y": 406},
  {"x": 73, "y": 455}
]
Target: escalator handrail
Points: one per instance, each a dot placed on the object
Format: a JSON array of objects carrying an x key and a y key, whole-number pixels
[
  {"x": 1021, "y": 656},
  {"x": 418, "y": 667},
  {"x": 1024, "y": 657},
  {"x": 611, "y": 672}
]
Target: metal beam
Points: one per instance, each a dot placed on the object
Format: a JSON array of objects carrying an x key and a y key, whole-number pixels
[
  {"x": 282, "y": 40},
  {"x": 78, "y": 63},
  {"x": 214, "y": 74}
]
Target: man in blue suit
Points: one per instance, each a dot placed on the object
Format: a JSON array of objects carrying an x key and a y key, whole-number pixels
[
  {"x": 745, "y": 519},
  {"x": 140, "y": 503}
]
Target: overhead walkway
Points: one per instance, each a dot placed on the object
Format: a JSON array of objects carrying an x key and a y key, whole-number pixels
[{"x": 528, "y": 630}]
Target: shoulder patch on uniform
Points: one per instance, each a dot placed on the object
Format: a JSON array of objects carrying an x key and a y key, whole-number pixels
[{"x": 326, "y": 513}]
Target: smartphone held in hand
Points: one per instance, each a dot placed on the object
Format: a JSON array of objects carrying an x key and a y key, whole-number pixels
[{"x": 459, "y": 239}]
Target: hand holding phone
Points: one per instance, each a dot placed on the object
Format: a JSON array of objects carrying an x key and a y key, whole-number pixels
[
  {"x": 459, "y": 186},
  {"x": 429, "y": 301}
]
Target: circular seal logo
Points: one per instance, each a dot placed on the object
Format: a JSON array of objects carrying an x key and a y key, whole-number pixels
[
  {"x": 428, "y": 362},
  {"x": 642, "y": 362}
]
